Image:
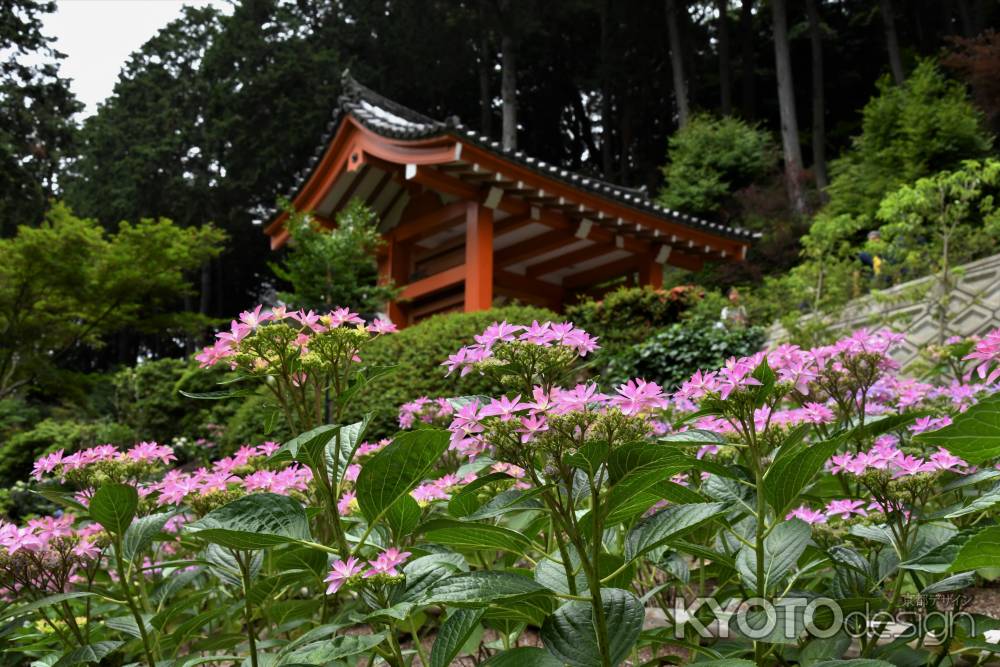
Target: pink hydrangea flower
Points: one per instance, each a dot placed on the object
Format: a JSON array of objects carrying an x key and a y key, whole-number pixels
[
  {"x": 807, "y": 514},
  {"x": 340, "y": 572},
  {"x": 387, "y": 562}
]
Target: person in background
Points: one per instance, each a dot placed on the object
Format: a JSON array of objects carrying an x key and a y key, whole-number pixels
[
  {"x": 733, "y": 315},
  {"x": 870, "y": 259}
]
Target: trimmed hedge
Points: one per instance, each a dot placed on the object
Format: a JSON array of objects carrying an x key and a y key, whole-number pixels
[{"x": 418, "y": 351}]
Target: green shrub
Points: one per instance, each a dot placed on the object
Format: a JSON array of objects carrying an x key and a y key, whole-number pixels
[
  {"x": 628, "y": 314},
  {"x": 672, "y": 355},
  {"x": 418, "y": 351},
  {"x": 19, "y": 451},
  {"x": 711, "y": 158}
]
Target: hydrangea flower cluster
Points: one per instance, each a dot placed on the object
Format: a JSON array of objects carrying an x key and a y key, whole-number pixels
[
  {"x": 351, "y": 571},
  {"x": 549, "y": 334},
  {"x": 531, "y": 417},
  {"x": 886, "y": 455},
  {"x": 44, "y": 556},
  {"x": 424, "y": 410},
  {"x": 61, "y": 464},
  {"x": 243, "y": 472},
  {"x": 309, "y": 322}
]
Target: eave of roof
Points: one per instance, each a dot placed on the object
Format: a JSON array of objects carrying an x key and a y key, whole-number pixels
[{"x": 392, "y": 120}]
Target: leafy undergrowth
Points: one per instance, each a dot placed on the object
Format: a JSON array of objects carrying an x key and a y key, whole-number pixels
[{"x": 810, "y": 507}]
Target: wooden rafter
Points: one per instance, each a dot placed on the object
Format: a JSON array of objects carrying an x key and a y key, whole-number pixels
[
  {"x": 566, "y": 260},
  {"x": 603, "y": 272}
]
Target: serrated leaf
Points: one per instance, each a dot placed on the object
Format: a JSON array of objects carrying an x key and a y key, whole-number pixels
[
  {"x": 955, "y": 582},
  {"x": 478, "y": 589},
  {"x": 973, "y": 435},
  {"x": 668, "y": 524},
  {"x": 789, "y": 474},
  {"x": 257, "y": 521},
  {"x": 569, "y": 633},
  {"x": 982, "y": 550},
  {"x": 466, "y": 501},
  {"x": 114, "y": 506},
  {"x": 454, "y": 632},
  {"x": 395, "y": 470},
  {"x": 328, "y": 650},
  {"x": 476, "y": 536},
  {"x": 422, "y": 573},
  {"x": 523, "y": 656},
  {"x": 90, "y": 653},
  {"x": 511, "y": 500},
  {"x": 782, "y": 549},
  {"x": 141, "y": 533}
]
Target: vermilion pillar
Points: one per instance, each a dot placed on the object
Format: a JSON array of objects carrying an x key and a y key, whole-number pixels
[
  {"x": 396, "y": 267},
  {"x": 651, "y": 273},
  {"x": 478, "y": 257}
]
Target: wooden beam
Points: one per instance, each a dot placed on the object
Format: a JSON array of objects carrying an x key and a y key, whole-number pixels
[
  {"x": 437, "y": 305},
  {"x": 428, "y": 223},
  {"x": 601, "y": 273},
  {"x": 478, "y": 257},
  {"x": 500, "y": 228},
  {"x": 435, "y": 283},
  {"x": 567, "y": 260},
  {"x": 515, "y": 281},
  {"x": 538, "y": 245},
  {"x": 439, "y": 182}
]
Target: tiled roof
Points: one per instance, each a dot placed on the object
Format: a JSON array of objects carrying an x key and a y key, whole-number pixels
[{"x": 393, "y": 120}]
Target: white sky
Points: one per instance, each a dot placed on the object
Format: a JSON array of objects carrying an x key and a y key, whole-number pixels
[{"x": 97, "y": 37}]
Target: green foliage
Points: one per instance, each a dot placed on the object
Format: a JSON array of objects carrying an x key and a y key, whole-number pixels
[
  {"x": 711, "y": 158},
  {"x": 19, "y": 450},
  {"x": 628, "y": 315},
  {"x": 417, "y": 352},
  {"x": 147, "y": 399},
  {"x": 942, "y": 220},
  {"x": 66, "y": 285},
  {"x": 329, "y": 268},
  {"x": 908, "y": 131},
  {"x": 671, "y": 355}
]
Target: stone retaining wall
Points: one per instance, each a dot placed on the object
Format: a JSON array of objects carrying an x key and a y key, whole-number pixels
[{"x": 974, "y": 308}]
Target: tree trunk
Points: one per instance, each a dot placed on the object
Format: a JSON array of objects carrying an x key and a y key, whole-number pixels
[
  {"x": 818, "y": 97},
  {"x": 725, "y": 63},
  {"x": 484, "y": 68},
  {"x": 677, "y": 64},
  {"x": 786, "y": 102},
  {"x": 965, "y": 18},
  {"x": 508, "y": 80},
  {"x": 892, "y": 41},
  {"x": 747, "y": 59},
  {"x": 607, "y": 153}
]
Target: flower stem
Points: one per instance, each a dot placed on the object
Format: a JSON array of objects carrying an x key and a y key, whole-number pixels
[
  {"x": 123, "y": 576},
  {"x": 247, "y": 608}
]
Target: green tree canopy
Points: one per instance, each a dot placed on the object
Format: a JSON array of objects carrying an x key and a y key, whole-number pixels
[
  {"x": 326, "y": 268},
  {"x": 36, "y": 108},
  {"x": 711, "y": 158},
  {"x": 925, "y": 125},
  {"x": 66, "y": 285}
]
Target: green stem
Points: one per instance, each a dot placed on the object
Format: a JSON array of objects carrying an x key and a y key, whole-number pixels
[
  {"x": 424, "y": 660},
  {"x": 594, "y": 577},
  {"x": 123, "y": 577},
  {"x": 247, "y": 608},
  {"x": 760, "y": 533}
]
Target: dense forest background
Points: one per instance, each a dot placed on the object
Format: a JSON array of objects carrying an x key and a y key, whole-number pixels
[{"x": 212, "y": 118}]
